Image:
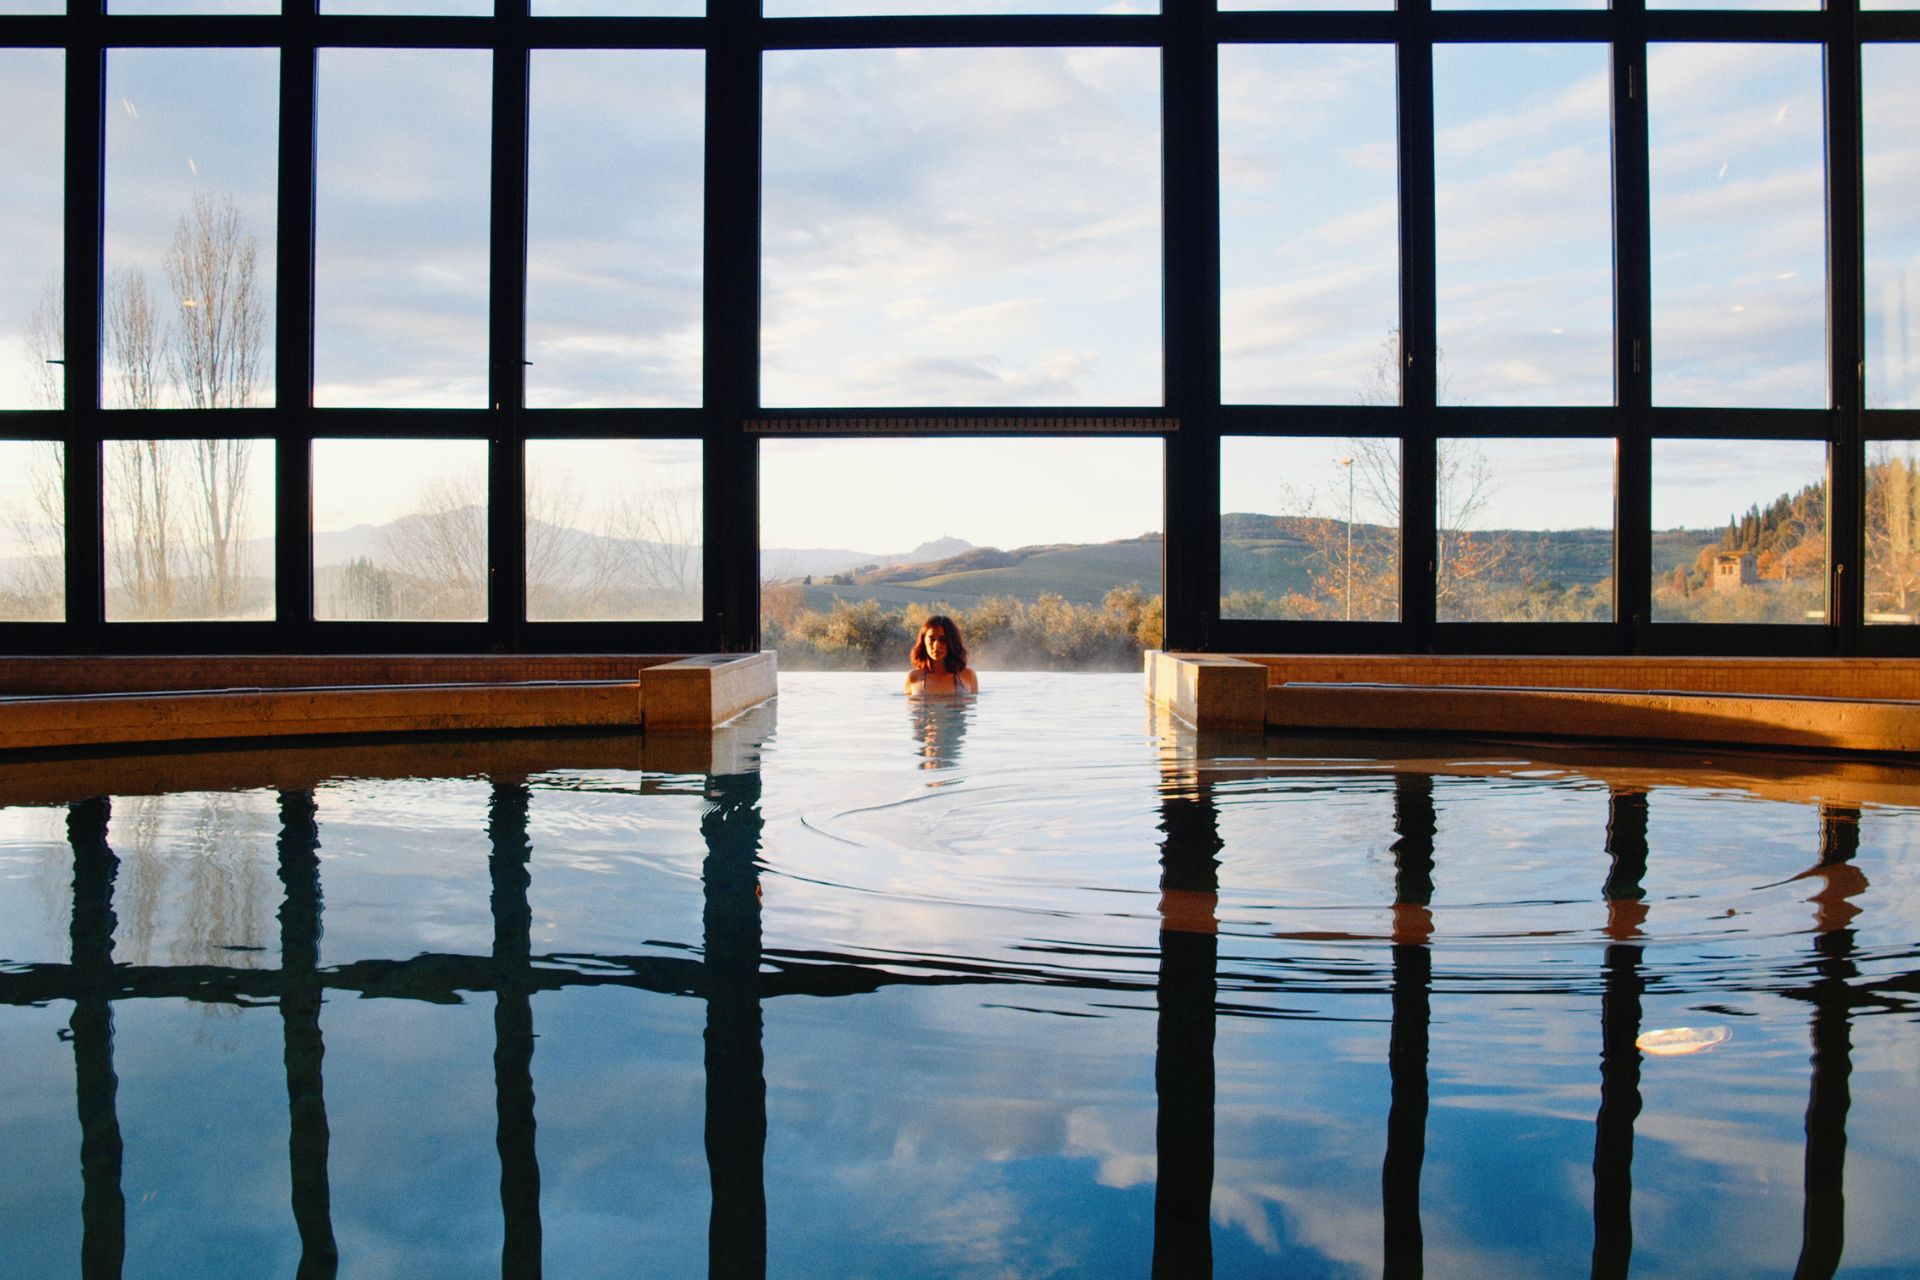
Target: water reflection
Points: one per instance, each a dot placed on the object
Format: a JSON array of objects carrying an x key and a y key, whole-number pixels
[
  {"x": 1620, "y": 1014},
  {"x": 308, "y": 1136},
  {"x": 1415, "y": 825},
  {"x": 939, "y": 727},
  {"x": 1201, "y": 958},
  {"x": 1183, "y": 1059}
]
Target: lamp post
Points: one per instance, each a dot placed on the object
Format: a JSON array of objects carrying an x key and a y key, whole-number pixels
[{"x": 1348, "y": 464}]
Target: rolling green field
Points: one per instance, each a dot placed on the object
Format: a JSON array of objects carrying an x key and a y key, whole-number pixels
[
  {"x": 1081, "y": 574},
  {"x": 1257, "y": 552}
]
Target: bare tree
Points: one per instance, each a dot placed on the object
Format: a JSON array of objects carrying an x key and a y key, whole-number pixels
[
  {"x": 1893, "y": 532},
  {"x": 437, "y": 553},
  {"x": 46, "y": 346},
  {"x": 37, "y": 583},
  {"x": 218, "y": 336},
  {"x": 134, "y": 336},
  {"x": 142, "y": 540},
  {"x": 220, "y": 491},
  {"x": 656, "y": 535}
]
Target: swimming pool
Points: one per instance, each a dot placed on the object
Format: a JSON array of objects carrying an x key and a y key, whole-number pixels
[{"x": 1036, "y": 984}]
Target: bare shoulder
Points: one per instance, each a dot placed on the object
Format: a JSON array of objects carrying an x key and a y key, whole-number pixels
[{"x": 968, "y": 680}]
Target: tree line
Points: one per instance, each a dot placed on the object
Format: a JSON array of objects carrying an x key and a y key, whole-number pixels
[{"x": 1049, "y": 633}]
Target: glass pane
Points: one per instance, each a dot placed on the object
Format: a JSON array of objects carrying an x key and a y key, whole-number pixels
[
  {"x": 191, "y": 200},
  {"x": 1310, "y": 528},
  {"x": 619, "y": 8},
  {"x": 191, "y": 6},
  {"x": 32, "y": 154},
  {"x": 1309, "y": 225},
  {"x": 401, "y": 199},
  {"x": 1519, "y": 4},
  {"x": 1739, "y": 531},
  {"x": 1036, "y": 574},
  {"x": 961, "y": 227},
  {"x": 33, "y": 531},
  {"x": 425, "y": 8},
  {"x": 1525, "y": 531},
  {"x": 1228, "y": 6},
  {"x": 1739, "y": 225},
  {"x": 1893, "y": 531},
  {"x": 1890, "y": 87},
  {"x": 1733, "y": 4},
  {"x": 614, "y": 228},
  {"x": 189, "y": 530},
  {"x": 32, "y": 6},
  {"x": 1524, "y": 222},
  {"x": 400, "y": 530},
  {"x": 863, "y": 8},
  {"x": 614, "y": 530}
]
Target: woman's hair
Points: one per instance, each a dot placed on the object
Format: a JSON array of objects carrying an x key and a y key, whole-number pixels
[{"x": 956, "y": 647}]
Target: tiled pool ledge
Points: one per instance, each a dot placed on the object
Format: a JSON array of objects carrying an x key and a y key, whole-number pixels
[
  {"x": 48, "y": 703},
  {"x": 1854, "y": 704}
]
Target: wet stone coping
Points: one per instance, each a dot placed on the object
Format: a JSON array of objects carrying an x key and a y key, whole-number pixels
[
  {"x": 1821, "y": 705},
  {"x": 679, "y": 692}
]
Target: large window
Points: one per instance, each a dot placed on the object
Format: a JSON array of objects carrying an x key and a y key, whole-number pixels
[
  {"x": 961, "y": 227},
  {"x": 400, "y": 227},
  {"x": 1890, "y": 87},
  {"x": 400, "y": 530},
  {"x": 32, "y": 315},
  {"x": 33, "y": 531},
  {"x": 189, "y": 530},
  {"x": 613, "y": 530},
  {"x": 1739, "y": 531},
  {"x": 1310, "y": 528},
  {"x": 614, "y": 228},
  {"x": 1523, "y": 203},
  {"x": 190, "y": 210},
  {"x": 1517, "y": 324},
  {"x": 1738, "y": 159},
  {"x": 1309, "y": 224}
]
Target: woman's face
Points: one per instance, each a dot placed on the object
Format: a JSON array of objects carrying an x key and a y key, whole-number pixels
[{"x": 934, "y": 640}]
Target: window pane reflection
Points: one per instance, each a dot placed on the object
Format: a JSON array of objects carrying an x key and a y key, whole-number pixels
[
  {"x": 1310, "y": 528},
  {"x": 400, "y": 530},
  {"x": 1739, "y": 531},
  {"x": 1890, "y": 89},
  {"x": 33, "y": 531},
  {"x": 192, "y": 6},
  {"x": 961, "y": 227},
  {"x": 191, "y": 202},
  {"x": 614, "y": 530},
  {"x": 189, "y": 530},
  {"x": 619, "y": 8},
  {"x": 32, "y": 319},
  {"x": 422, "y": 8},
  {"x": 1309, "y": 225},
  {"x": 614, "y": 228},
  {"x": 1893, "y": 531},
  {"x": 1525, "y": 531},
  {"x": 402, "y": 163},
  {"x": 889, "y": 8},
  {"x": 1738, "y": 168},
  {"x": 1524, "y": 220}
]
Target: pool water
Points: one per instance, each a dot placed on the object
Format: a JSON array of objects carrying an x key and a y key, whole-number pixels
[{"x": 1034, "y": 984}]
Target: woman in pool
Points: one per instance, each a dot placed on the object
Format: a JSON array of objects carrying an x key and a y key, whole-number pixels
[{"x": 939, "y": 658}]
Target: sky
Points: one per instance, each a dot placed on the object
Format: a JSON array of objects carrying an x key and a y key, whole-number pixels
[{"x": 981, "y": 227}]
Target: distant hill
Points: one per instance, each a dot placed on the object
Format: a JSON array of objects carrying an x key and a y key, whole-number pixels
[
  {"x": 1082, "y": 573},
  {"x": 780, "y": 564}
]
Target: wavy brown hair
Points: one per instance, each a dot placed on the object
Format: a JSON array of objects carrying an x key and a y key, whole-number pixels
[{"x": 956, "y": 647}]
